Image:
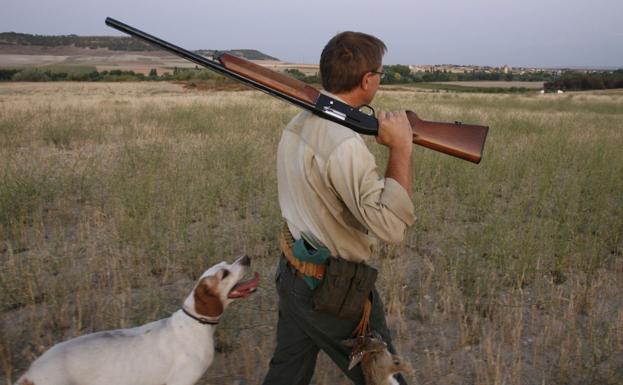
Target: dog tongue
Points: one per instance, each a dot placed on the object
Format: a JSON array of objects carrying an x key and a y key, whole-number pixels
[{"x": 244, "y": 289}]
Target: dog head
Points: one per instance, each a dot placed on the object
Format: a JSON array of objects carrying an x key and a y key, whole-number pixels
[{"x": 218, "y": 287}]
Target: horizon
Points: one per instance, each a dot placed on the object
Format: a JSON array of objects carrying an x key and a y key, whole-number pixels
[
  {"x": 598, "y": 68},
  {"x": 529, "y": 34}
]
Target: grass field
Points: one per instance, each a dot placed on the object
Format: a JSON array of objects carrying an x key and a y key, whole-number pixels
[
  {"x": 115, "y": 197},
  {"x": 497, "y": 87},
  {"x": 497, "y": 84}
]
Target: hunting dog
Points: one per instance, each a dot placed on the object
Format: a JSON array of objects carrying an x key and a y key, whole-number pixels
[{"x": 172, "y": 351}]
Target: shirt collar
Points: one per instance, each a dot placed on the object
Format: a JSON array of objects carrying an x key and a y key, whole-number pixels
[{"x": 329, "y": 94}]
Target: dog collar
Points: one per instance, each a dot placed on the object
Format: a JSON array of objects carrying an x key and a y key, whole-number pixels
[{"x": 201, "y": 320}]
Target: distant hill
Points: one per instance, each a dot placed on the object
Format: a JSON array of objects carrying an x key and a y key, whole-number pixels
[{"x": 113, "y": 43}]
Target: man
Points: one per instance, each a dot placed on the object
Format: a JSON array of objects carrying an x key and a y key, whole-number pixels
[{"x": 330, "y": 193}]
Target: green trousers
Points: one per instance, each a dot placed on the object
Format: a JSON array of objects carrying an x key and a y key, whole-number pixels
[{"x": 303, "y": 332}]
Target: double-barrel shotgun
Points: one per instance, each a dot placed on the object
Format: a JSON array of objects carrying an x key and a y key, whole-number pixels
[{"x": 465, "y": 141}]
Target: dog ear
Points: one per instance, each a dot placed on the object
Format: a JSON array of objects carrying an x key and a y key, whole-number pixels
[{"x": 207, "y": 300}]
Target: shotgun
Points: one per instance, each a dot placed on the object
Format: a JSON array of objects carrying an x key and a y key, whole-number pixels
[{"x": 465, "y": 141}]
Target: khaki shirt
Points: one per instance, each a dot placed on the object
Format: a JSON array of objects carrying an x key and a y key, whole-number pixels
[{"x": 329, "y": 188}]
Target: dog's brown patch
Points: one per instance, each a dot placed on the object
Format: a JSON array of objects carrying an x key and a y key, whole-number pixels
[
  {"x": 207, "y": 300},
  {"x": 26, "y": 381}
]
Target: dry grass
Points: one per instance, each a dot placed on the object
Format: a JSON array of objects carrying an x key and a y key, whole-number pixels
[
  {"x": 114, "y": 197},
  {"x": 497, "y": 84}
]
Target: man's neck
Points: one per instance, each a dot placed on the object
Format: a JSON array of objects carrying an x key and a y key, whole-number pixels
[{"x": 352, "y": 98}]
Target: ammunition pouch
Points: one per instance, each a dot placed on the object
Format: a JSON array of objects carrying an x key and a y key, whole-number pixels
[{"x": 344, "y": 288}]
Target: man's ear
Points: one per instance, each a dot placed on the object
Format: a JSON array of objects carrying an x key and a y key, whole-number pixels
[
  {"x": 365, "y": 83},
  {"x": 207, "y": 300}
]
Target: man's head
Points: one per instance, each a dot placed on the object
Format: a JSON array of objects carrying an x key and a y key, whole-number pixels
[{"x": 347, "y": 58}]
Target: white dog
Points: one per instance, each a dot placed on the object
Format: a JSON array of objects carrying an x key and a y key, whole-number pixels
[{"x": 172, "y": 351}]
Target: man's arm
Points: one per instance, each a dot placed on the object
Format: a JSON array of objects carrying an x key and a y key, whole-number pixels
[
  {"x": 383, "y": 206},
  {"x": 395, "y": 132}
]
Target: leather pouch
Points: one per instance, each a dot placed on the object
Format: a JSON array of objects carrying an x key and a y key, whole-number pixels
[
  {"x": 361, "y": 286},
  {"x": 344, "y": 288}
]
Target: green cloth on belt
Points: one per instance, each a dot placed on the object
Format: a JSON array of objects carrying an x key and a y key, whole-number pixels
[{"x": 307, "y": 249}]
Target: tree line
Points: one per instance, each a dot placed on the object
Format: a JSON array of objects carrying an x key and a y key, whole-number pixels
[
  {"x": 395, "y": 74},
  {"x": 400, "y": 74},
  {"x": 81, "y": 75},
  {"x": 577, "y": 81}
]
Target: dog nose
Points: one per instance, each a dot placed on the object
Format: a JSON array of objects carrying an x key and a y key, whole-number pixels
[{"x": 246, "y": 260}]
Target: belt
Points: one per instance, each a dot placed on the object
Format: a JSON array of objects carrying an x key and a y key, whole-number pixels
[
  {"x": 297, "y": 273},
  {"x": 302, "y": 268}
]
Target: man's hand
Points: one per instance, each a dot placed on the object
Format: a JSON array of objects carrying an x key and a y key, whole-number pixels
[{"x": 395, "y": 131}]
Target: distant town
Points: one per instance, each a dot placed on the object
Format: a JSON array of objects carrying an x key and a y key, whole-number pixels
[
  {"x": 505, "y": 69},
  {"x": 461, "y": 69}
]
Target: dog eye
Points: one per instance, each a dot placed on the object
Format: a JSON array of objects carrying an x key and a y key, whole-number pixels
[{"x": 225, "y": 274}]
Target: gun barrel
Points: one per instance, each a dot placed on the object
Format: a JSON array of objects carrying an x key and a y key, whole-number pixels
[
  {"x": 198, "y": 59},
  {"x": 116, "y": 24}
]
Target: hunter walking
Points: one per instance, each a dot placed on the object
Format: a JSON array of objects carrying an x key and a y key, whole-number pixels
[{"x": 336, "y": 206}]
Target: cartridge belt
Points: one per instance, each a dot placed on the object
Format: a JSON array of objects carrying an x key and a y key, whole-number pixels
[{"x": 286, "y": 240}]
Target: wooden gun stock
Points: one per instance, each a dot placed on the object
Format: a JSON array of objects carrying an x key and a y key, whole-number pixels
[
  {"x": 275, "y": 80},
  {"x": 464, "y": 141}
]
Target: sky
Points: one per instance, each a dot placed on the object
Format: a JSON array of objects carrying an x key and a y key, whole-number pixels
[{"x": 519, "y": 33}]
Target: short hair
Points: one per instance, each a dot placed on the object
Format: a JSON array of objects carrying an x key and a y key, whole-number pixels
[{"x": 347, "y": 57}]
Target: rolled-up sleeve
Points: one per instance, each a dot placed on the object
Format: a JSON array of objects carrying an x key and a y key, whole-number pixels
[{"x": 381, "y": 205}]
